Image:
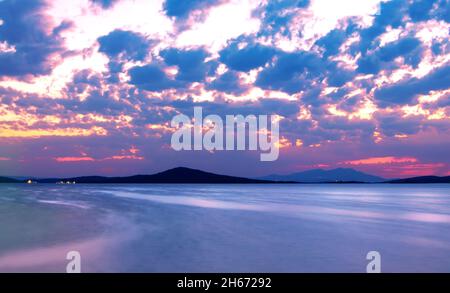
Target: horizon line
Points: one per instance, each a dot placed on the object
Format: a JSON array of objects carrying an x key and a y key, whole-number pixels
[{"x": 201, "y": 170}]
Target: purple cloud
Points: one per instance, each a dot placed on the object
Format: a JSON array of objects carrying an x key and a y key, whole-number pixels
[
  {"x": 24, "y": 28},
  {"x": 406, "y": 90}
]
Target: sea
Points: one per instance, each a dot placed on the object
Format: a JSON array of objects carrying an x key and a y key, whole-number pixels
[{"x": 265, "y": 228}]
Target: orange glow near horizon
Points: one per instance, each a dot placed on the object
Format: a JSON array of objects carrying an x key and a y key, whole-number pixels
[
  {"x": 90, "y": 159},
  {"x": 74, "y": 159},
  {"x": 381, "y": 161},
  {"x": 66, "y": 132},
  {"x": 413, "y": 170}
]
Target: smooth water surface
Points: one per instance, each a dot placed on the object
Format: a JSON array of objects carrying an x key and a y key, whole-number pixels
[{"x": 225, "y": 228}]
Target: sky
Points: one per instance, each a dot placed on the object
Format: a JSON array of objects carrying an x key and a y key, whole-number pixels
[{"x": 89, "y": 87}]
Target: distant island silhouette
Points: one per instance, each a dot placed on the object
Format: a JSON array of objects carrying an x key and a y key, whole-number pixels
[
  {"x": 182, "y": 175},
  {"x": 324, "y": 176},
  {"x": 179, "y": 175},
  {"x": 423, "y": 179},
  {"x": 9, "y": 180}
]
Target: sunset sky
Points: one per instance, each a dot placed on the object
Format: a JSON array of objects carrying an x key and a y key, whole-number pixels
[{"x": 90, "y": 86}]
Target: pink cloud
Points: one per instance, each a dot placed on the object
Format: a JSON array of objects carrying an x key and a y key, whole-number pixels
[
  {"x": 381, "y": 161},
  {"x": 74, "y": 159},
  {"x": 132, "y": 156}
]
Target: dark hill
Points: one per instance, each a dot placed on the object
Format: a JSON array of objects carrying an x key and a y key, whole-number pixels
[
  {"x": 9, "y": 180},
  {"x": 176, "y": 175},
  {"x": 326, "y": 176},
  {"x": 423, "y": 179}
]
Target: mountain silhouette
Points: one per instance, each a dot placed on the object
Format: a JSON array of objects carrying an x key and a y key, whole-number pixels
[
  {"x": 176, "y": 175},
  {"x": 183, "y": 175},
  {"x": 321, "y": 175},
  {"x": 8, "y": 180},
  {"x": 423, "y": 179}
]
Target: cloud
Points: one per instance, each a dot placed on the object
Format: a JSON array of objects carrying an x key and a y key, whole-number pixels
[
  {"x": 191, "y": 67},
  {"x": 266, "y": 106},
  {"x": 246, "y": 58},
  {"x": 229, "y": 83},
  {"x": 443, "y": 11},
  {"x": 419, "y": 9},
  {"x": 404, "y": 91},
  {"x": 105, "y": 3},
  {"x": 191, "y": 64},
  {"x": 337, "y": 76},
  {"x": 332, "y": 41},
  {"x": 291, "y": 72},
  {"x": 62, "y": 132},
  {"x": 409, "y": 48},
  {"x": 98, "y": 102},
  {"x": 151, "y": 78},
  {"x": 182, "y": 9},
  {"x": 423, "y": 10},
  {"x": 392, "y": 124},
  {"x": 381, "y": 161},
  {"x": 89, "y": 93},
  {"x": 90, "y": 159},
  {"x": 25, "y": 28},
  {"x": 128, "y": 81},
  {"x": 74, "y": 159},
  {"x": 126, "y": 44},
  {"x": 398, "y": 48},
  {"x": 390, "y": 14},
  {"x": 278, "y": 14}
]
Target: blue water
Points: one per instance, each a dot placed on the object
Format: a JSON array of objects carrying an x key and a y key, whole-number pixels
[{"x": 225, "y": 228}]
